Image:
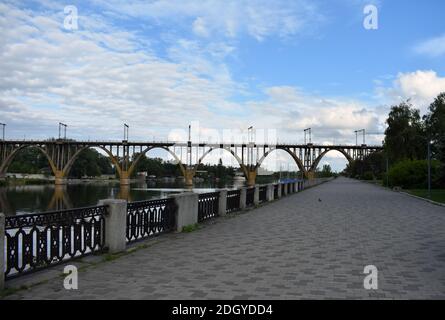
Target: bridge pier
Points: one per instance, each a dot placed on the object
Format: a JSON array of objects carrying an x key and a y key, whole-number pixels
[
  {"x": 60, "y": 178},
  {"x": 188, "y": 176},
  {"x": 251, "y": 178},
  {"x": 124, "y": 178},
  {"x": 310, "y": 175}
]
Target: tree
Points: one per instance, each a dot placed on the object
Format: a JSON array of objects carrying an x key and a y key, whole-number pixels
[
  {"x": 325, "y": 172},
  {"x": 405, "y": 135},
  {"x": 435, "y": 127},
  {"x": 29, "y": 160},
  {"x": 90, "y": 163},
  {"x": 371, "y": 167}
]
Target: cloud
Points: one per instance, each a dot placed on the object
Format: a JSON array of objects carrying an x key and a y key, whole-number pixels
[
  {"x": 433, "y": 47},
  {"x": 256, "y": 18},
  {"x": 421, "y": 86},
  {"x": 333, "y": 120},
  {"x": 100, "y": 76}
]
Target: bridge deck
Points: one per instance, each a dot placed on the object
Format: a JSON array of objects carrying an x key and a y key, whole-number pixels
[{"x": 298, "y": 247}]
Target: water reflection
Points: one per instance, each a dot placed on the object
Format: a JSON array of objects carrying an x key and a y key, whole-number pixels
[{"x": 39, "y": 198}]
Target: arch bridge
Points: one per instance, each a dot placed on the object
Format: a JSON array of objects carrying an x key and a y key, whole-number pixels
[{"x": 124, "y": 155}]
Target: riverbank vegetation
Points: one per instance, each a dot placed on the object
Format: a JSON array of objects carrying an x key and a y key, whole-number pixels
[{"x": 405, "y": 153}]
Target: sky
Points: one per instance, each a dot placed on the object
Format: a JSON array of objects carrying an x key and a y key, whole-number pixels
[{"x": 279, "y": 66}]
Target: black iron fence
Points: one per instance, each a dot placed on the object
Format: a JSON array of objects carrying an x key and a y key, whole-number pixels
[
  {"x": 250, "y": 194},
  {"x": 233, "y": 200},
  {"x": 148, "y": 218},
  {"x": 208, "y": 204},
  {"x": 35, "y": 241},
  {"x": 263, "y": 193}
]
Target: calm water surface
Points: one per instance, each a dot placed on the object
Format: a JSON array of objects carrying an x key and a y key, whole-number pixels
[{"x": 34, "y": 199}]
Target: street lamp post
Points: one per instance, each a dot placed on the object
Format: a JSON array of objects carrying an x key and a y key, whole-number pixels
[{"x": 429, "y": 168}]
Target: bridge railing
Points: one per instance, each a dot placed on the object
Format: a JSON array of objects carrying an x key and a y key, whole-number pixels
[{"x": 36, "y": 241}]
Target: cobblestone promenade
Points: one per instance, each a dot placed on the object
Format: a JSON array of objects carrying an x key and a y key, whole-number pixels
[{"x": 314, "y": 244}]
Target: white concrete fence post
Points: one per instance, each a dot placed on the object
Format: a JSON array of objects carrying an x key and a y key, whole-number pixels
[
  {"x": 270, "y": 192},
  {"x": 115, "y": 224},
  {"x": 242, "y": 198},
  {"x": 187, "y": 213},
  {"x": 2, "y": 252},
  {"x": 256, "y": 195},
  {"x": 222, "y": 204}
]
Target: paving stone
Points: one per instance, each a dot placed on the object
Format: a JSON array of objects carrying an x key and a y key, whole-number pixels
[{"x": 294, "y": 248}]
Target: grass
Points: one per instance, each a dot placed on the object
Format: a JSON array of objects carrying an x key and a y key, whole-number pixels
[
  {"x": 437, "y": 195},
  {"x": 190, "y": 228}
]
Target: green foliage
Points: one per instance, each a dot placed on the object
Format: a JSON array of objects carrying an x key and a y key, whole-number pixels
[
  {"x": 435, "y": 127},
  {"x": 371, "y": 167},
  {"x": 90, "y": 163},
  {"x": 412, "y": 174},
  {"x": 368, "y": 175},
  {"x": 32, "y": 161},
  {"x": 326, "y": 172},
  {"x": 437, "y": 195},
  {"x": 404, "y": 137},
  {"x": 159, "y": 167},
  {"x": 190, "y": 228},
  {"x": 29, "y": 160}
]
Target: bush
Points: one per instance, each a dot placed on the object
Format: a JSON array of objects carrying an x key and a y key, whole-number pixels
[
  {"x": 368, "y": 175},
  {"x": 413, "y": 174}
]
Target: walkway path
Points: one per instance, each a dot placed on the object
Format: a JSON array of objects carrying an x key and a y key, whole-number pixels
[{"x": 313, "y": 244}]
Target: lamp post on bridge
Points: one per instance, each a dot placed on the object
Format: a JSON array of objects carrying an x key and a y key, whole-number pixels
[
  {"x": 3, "y": 130},
  {"x": 62, "y": 127},
  {"x": 250, "y": 149},
  {"x": 363, "y": 131},
  {"x": 126, "y": 129},
  {"x": 308, "y": 132}
]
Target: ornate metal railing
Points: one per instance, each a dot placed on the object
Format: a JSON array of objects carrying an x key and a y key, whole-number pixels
[
  {"x": 275, "y": 191},
  {"x": 250, "y": 194},
  {"x": 35, "y": 241},
  {"x": 149, "y": 218},
  {"x": 233, "y": 199},
  {"x": 208, "y": 204},
  {"x": 263, "y": 193}
]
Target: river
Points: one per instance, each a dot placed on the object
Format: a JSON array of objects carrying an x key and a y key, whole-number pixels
[{"x": 22, "y": 199}]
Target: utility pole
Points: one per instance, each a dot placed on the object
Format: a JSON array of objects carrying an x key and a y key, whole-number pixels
[
  {"x": 189, "y": 146},
  {"x": 62, "y": 128},
  {"x": 249, "y": 146},
  {"x": 3, "y": 130},
  {"x": 126, "y": 130},
  {"x": 363, "y": 131},
  {"x": 307, "y": 133}
]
